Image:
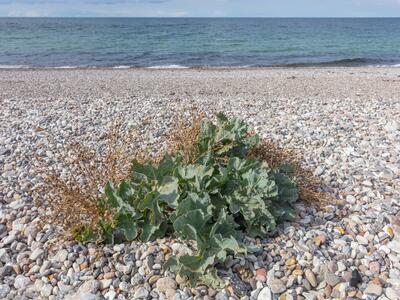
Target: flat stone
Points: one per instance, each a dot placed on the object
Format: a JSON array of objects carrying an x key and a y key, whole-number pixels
[
  {"x": 265, "y": 294},
  {"x": 261, "y": 274},
  {"x": 36, "y": 254},
  {"x": 21, "y": 282},
  {"x": 9, "y": 239},
  {"x": 60, "y": 256},
  {"x": 362, "y": 240},
  {"x": 124, "y": 286},
  {"x": 46, "y": 290},
  {"x": 141, "y": 293},
  {"x": 109, "y": 275},
  {"x": 123, "y": 268},
  {"x": 90, "y": 287},
  {"x": 105, "y": 284},
  {"x": 277, "y": 286},
  {"x": 332, "y": 279},
  {"x": 163, "y": 284},
  {"x": 82, "y": 296},
  {"x": 137, "y": 279},
  {"x": 351, "y": 199},
  {"x": 310, "y": 276},
  {"x": 373, "y": 289}
]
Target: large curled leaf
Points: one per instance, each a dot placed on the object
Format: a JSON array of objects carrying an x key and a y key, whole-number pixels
[
  {"x": 169, "y": 191},
  {"x": 127, "y": 225}
]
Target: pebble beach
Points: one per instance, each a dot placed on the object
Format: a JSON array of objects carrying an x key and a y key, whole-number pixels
[{"x": 345, "y": 122}]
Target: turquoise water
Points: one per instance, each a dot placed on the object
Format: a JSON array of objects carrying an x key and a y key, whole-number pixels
[{"x": 157, "y": 42}]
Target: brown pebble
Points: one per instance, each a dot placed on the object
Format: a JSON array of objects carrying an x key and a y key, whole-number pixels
[
  {"x": 261, "y": 274},
  {"x": 83, "y": 266},
  {"x": 328, "y": 291},
  {"x": 320, "y": 240},
  {"x": 153, "y": 279},
  {"x": 290, "y": 262},
  {"x": 108, "y": 275}
]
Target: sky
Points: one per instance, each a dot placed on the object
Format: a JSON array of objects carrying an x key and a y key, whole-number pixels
[{"x": 200, "y": 8}]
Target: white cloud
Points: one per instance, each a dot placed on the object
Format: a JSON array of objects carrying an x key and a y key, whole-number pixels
[{"x": 31, "y": 13}]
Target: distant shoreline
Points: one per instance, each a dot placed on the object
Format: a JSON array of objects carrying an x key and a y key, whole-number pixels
[{"x": 211, "y": 68}]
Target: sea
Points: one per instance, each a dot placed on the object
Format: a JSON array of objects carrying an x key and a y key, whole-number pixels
[{"x": 198, "y": 42}]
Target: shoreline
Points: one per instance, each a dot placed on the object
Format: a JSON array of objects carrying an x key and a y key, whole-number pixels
[{"x": 205, "y": 68}]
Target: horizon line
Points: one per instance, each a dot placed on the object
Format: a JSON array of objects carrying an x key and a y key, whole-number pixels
[{"x": 196, "y": 17}]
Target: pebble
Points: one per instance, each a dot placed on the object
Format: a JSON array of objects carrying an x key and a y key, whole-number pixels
[
  {"x": 46, "y": 290},
  {"x": 141, "y": 293},
  {"x": 276, "y": 286},
  {"x": 36, "y": 254},
  {"x": 351, "y": 199},
  {"x": 332, "y": 279},
  {"x": 105, "y": 284},
  {"x": 21, "y": 282},
  {"x": 163, "y": 284},
  {"x": 265, "y": 294},
  {"x": 373, "y": 289},
  {"x": 310, "y": 276},
  {"x": 9, "y": 239},
  {"x": 60, "y": 256},
  {"x": 375, "y": 267},
  {"x": 362, "y": 240},
  {"x": 261, "y": 274},
  {"x": 355, "y": 278},
  {"x": 91, "y": 287}
]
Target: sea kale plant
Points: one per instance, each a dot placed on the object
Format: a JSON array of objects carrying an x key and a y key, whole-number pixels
[{"x": 214, "y": 198}]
